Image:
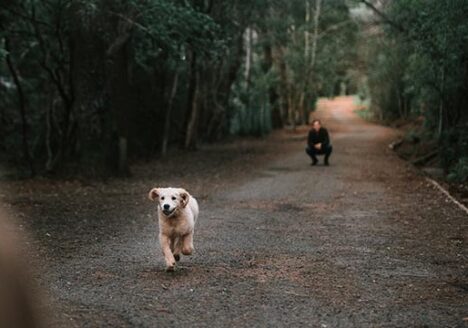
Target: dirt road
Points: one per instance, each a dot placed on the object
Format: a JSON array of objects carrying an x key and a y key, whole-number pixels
[{"x": 365, "y": 242}]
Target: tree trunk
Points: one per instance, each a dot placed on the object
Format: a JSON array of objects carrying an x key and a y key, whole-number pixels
[
  {"x": 22, "y": 108},
  {"x": 192, "y": 105},
  {"x": 441, "y": 126},
  {"x": 167, "y": 119},
  {"x": 57, "y": 76},
  {"x": 307, "y": 51},
  {"x": 233, "y": 67},
  {"x": 123, "y": 156},
  {"x": 318, "y": 5},
  {"x": 120, "y": 104},
  {"x": 306, "y": 31},
  {"x": 191, "y": 135},
  {"x": 291, "y": 111},
  {"x": 276, "y": 115},
  {"x": 248, "y": 55},
  {"x": 285, "y": 102}
]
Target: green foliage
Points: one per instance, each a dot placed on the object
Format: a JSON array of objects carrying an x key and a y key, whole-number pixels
[
  {"x": 417, "y": 66},
  {"x": 3, "y": 53},
  {"x": 94, "y": 75},
  {"x": 386, "y": 79},
  {"x": 459, "y": 172},
  {"x": 252, "y": 109},
  {"x": 162, "y": 30}
]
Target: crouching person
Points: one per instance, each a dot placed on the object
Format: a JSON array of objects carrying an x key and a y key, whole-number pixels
[{"x": 318, "y": 143}]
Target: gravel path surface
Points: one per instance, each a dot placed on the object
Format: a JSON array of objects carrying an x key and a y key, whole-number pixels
[{"x": 365, "y": 242}]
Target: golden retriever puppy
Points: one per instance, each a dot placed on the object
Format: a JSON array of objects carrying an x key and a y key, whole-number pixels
[{"x": 177, "y": 213}]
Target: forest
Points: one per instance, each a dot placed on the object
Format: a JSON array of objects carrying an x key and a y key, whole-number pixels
[
  {"x": 233, "y": 163},
  {"x": 91, "y": 86}
]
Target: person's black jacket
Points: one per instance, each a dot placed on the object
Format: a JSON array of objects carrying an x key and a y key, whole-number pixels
[{"x": 318, "y": 137}]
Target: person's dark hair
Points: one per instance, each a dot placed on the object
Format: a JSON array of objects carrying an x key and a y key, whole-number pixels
[{"x": 313, "y": 122}]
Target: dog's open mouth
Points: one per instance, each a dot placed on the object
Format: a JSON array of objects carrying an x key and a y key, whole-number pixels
[{"x": 168, "y": 212}]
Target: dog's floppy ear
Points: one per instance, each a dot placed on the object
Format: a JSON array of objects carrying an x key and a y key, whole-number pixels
[
  {"x": 185, "y": 196},
  {"x": 153, "y": 194}
]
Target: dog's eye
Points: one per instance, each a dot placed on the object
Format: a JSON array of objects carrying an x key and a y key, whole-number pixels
[
  {"x": 162, "y": 198},
  {"x": 173, "y": 198}
]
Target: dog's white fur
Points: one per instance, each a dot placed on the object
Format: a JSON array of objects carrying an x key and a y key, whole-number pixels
[{"x": 177, "y": 214}]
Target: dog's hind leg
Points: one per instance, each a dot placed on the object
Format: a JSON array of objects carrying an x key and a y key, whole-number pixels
[
  {"x": 187, "y": 244},
  {"x": 173, "y": 242},
  {"x": 177, "y": 248}
]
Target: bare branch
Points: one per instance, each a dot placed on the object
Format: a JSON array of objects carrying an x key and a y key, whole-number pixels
[
  {"x": 132, "y": 22},
  {"x": 383, "y": 16}
]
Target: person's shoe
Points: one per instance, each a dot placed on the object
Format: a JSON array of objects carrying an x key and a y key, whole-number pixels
[
  {"x": 325, "y": 162},
  {"x": 314, "y": 162}
]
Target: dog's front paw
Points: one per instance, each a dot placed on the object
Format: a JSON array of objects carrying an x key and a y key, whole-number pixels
[{"x": 170, "y": 268}]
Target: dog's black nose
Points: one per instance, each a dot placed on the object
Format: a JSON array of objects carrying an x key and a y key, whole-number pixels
[{"x": 166, "y": 206}]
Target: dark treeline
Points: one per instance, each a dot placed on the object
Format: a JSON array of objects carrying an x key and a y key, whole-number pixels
[{"x": 92, "y": 85}]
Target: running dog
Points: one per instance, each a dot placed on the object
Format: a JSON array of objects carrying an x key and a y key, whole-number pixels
[{"x": 177, "y": 214}]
